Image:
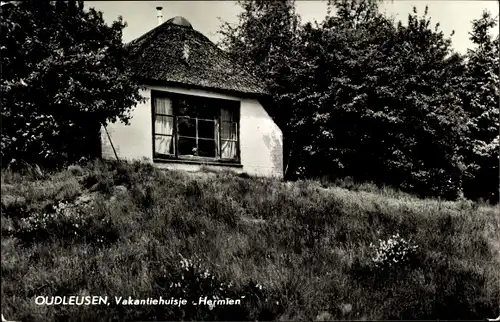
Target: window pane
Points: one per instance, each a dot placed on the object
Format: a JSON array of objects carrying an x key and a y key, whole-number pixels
[
  {"x": 183, "y": 107},
  {"x": 163, "y": 106},
  {"x": 206, "y": 129},
  {"x": 206, "y": 148},
  {"x": 186, "y": 126},
  {"x": 197, "y": 107},
  {"x": 164, "y": 144},
  {"x": 187, "y": 146},
  {"x": 228, "y": 131},
  {"x": 227, "y": 115},
  {"x": 228, "y": 150},
  {"x": 164, "y": 124},
  {"x": 206, "y": 110}
]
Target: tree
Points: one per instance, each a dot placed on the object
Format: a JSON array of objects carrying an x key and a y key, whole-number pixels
[
  {"x": 266, "y": 41},
  {"x": 427, "y": 157},
  {"x": 481, "y": 100},
  {"x": 64, "y": 73},
  {"x": 368, "y": 98}
]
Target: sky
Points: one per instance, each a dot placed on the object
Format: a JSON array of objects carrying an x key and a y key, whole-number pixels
[{"x": 206, "y": 16}]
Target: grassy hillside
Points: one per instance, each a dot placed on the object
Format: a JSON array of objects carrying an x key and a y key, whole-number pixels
[{"x": 288, "y": 250}]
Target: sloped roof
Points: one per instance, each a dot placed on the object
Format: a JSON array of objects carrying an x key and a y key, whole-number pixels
[{"x": 175, "y": 53}]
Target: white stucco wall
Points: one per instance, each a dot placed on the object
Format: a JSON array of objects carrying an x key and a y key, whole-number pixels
[{"x": 261, "y": 140}]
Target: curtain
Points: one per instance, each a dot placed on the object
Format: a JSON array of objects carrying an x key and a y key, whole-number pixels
[
  {"x": 164, "y": 125},
  {"x": 229, "y": 134}
]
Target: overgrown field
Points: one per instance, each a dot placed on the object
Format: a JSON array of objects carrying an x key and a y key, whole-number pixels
[{"x": 289, "y": 251}]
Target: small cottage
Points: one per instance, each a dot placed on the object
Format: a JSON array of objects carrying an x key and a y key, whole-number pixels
[{"x": 202, "y": 109}]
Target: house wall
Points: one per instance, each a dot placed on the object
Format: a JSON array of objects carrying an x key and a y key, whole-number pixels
[{"x": 261, "y": 140}]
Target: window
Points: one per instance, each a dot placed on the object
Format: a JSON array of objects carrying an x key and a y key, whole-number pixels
[{"x": 195, "y": 128}]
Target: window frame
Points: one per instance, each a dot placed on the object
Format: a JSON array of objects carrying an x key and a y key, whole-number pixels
[{"x": 235, "y": 105}]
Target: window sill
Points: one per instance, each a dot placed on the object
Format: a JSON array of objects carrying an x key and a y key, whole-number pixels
[{"x": 232, "y": 164}]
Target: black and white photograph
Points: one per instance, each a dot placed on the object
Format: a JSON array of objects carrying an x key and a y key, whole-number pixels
[{"x": 250, "y": 160}]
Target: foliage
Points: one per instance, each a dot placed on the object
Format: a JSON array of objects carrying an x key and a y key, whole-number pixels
[
  {"x": 365, "y": 84},
  {"x": 360, "y": 95},
  {"x": 481, "y": 99},
  {"x": 63, "y": 75}
]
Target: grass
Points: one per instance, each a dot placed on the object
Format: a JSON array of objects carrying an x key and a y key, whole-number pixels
[{"x": 74, "y": 232}]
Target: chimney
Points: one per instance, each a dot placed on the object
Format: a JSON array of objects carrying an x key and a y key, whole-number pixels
[{"x": 159, "y": 15}]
